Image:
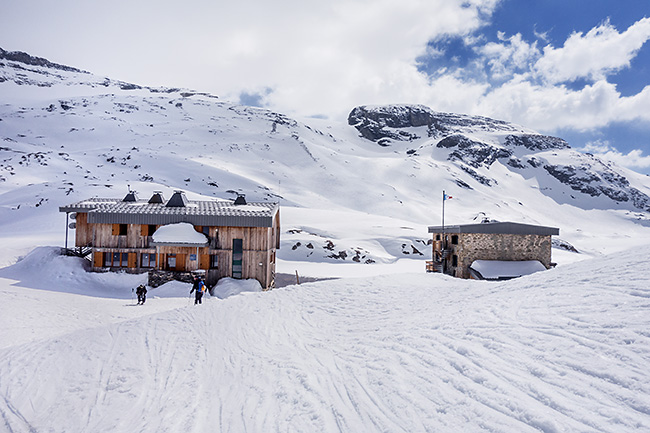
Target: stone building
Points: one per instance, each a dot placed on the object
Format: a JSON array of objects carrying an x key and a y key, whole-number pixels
[
  {"x": 493, "y": 250},
  {"x": 219, "y": 238}
]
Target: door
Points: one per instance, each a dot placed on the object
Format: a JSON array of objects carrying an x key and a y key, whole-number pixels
[
  {"x": 237, "y": 257},
  {"x": 171, "y": 262}
]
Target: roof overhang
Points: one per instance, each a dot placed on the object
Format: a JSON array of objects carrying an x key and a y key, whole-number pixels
[
  {"x": 200, "y": 213},
  {"x": 498, "y": 228}
]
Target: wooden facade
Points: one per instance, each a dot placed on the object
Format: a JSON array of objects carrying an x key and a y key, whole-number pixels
[{"x": 131, "y": 246}]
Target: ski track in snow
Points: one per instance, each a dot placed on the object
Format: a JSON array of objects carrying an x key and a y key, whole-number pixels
[{"x": 563, "y": 350}]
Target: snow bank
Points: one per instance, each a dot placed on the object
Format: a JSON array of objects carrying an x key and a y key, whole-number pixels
[
  {"x": 44, "y": 268},
  {"x": 500, "y": 269},
  {"x": 560, "y": 351},
  {"x": 227, "y": 287},
  {"x": 179, "y": 233}
]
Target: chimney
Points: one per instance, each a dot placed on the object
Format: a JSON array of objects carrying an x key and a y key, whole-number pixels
[
  {"x": 177, "y": 200},
  {"x": 157, "y": 198},
  {"x": 240, "y": 200},
  {"x": 130, "y": 197}
]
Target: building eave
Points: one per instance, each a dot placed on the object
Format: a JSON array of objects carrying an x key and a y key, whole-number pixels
[
  {"x": 497, "y": 228},
  {"x": 201, "y": 213}
]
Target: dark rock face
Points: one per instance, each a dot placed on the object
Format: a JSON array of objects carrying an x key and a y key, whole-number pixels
[
  {"x": 478, "y": 177},
  {"x": 19, "y": 56},
  {"x": 474, "y": 153},
  {"x": 596, "y": 181},
  {"x": 578, "y": 180},
  {"x": 536, "y": 142},
  {"x": 382, "y": 122}
]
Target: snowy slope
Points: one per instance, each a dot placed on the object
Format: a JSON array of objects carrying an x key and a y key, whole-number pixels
[
  {"x": 67, "y": 135},
  {"x": 559, "y": 351}
]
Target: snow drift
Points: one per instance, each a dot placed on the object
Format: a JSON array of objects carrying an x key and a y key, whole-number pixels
[{"x": 560, "y": 350}]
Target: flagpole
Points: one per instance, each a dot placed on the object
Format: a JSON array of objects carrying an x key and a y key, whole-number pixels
[{"x": 444, "y": 244}]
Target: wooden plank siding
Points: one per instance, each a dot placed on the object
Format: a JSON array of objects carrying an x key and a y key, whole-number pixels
[
  {"x": 84, "y": 231},
  {"x": 259, "y": 247}
]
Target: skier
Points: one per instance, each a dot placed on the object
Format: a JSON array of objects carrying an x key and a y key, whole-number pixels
[
  {"x": 141, "y": 291},
  {"x": 199, "y": 287}
]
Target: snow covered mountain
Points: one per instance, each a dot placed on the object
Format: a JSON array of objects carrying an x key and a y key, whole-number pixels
[
  {"x": 475, "y": 142},
  {"x": 357, "y": 193},
  {"x": 557, "y": 351}
]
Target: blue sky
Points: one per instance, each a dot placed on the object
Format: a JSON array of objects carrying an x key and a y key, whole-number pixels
[
  {"x": 576, "y": 69},
  {"x": 551, "y": 23}
]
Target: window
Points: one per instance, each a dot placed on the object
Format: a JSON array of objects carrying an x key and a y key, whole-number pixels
[
  {"x": 214, "y": 261},
  {"x": 206, "y": 231},
  {"x": 147, "y": 229},
  {"x": 454, "y": 240},
  {"x": 147, "y": 260},
  {"x": 171, "y": 261},
  {"x": 454, "y": 260},
  {"x": 116, "y": 260},
  {"x": 437, "y": 237},
  {"x": 237, "y": 257},
  {"x": 123, "y": 229}
]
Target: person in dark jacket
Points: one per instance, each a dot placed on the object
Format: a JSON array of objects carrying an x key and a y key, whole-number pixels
[
  {"x": 141, "y": 291},
  {"x": 199, "y": 287}
]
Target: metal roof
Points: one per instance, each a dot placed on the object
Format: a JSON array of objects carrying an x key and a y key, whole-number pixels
[
  {"x": 201, "y": 213},
  {"x": 498, "y": 228}
]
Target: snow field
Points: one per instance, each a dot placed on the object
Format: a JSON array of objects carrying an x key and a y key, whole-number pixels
[{"x": 558, "y": 351}]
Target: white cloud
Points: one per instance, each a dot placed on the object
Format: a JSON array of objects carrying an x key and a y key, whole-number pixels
[
  {"x": 634, "y": 159},
  {"x": 307, "y": 58},
  {"x": 549, "y": 108},
  {"x": 513, "y": 54},
  {"x": 594, "y": 55},
  {"x": 317, "y": 57},
  {"x": 518, "y": 94}
]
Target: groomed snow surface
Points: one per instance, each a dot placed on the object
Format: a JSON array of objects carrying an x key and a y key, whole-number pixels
[{"x": 565, "y": 350}]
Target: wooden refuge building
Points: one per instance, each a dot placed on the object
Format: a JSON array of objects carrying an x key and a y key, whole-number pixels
[
  {"x": 221, "y": 238},
  {"x": 493, "y": 250}
]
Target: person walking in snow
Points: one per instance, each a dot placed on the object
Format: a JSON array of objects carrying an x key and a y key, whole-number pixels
[
  {"x": 141, "y": 291},
  {"x": 199, "y": 287}
]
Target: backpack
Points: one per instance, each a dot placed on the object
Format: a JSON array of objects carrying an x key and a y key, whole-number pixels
[{"x": 201, "y": 286}]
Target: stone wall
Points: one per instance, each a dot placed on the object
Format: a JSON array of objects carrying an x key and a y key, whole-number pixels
[
  {"x": 481, "y": 246},
  {"x": 158, "y": 277}
]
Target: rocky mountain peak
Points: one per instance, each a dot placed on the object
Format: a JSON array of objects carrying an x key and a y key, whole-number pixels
[
  {"x": 388, "y": 122},
  {"x": 475, "y": 143},
  {"x": 27, "y": 59}
]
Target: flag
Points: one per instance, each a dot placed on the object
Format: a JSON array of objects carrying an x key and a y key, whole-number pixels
[{"x": 445, "y": 196}]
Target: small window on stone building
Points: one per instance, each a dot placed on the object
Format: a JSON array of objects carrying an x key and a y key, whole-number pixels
[
  {"x": 437, "y": 237},
  {"x": 454, "y": 260},
  {"x": 454, "y": 240}
]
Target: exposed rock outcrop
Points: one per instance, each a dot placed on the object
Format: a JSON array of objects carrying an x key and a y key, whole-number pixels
[{"x": 19, "y": 56}]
